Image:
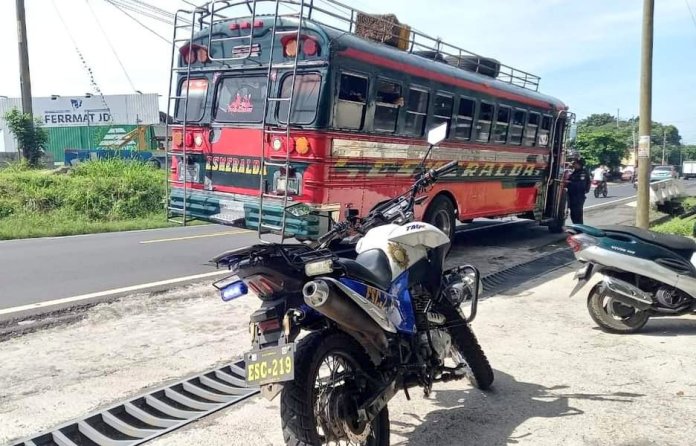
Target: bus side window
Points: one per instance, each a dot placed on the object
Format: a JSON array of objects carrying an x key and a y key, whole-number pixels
[
  {"x": 502, "y": 125},
  {"x": 443, "y": 110},
  {"x": 465, "y": 118},
  {"x": 530, "y": 132},
  {"x": 352, "y": 98},
  {"x": 483, "y": 125},
  {"x": 416, "y": 112},
  {"x": 545, "y": 131},
  {"x": 518, "y": 118},
  {"x": 389, "y": 100}
]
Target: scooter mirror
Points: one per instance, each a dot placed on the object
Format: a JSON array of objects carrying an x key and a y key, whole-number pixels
[{"x": 437, "y": 134}]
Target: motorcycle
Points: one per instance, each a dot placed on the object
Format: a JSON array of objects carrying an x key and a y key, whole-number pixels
[
  {"x": 388, "y": 320},
  {"x": 600, "y": 188},
  {"x": 630, "y": 275}
]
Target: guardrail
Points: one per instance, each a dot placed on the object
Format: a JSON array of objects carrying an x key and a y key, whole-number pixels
[{"x": 666, "y": 190}]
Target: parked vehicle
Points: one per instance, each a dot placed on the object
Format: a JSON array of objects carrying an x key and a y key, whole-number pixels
[
  {"x": 389, "y": 320},
  {"x": 663, "y": 173},
  {"x": 600, "y": 188},
  {"x": 321, "y": 111},
  {"x": 627, "y": 174},
  {"x": 631, "y": 274},
  {"x": 688, "y": 169}
]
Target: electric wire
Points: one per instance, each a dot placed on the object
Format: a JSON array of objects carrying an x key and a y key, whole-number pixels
[
  {"x": 691, "y": 12},
  {"x": 86, "y": 66},
  {"x": 126, "y": 13},
  {"x": 108, "y": 41}
]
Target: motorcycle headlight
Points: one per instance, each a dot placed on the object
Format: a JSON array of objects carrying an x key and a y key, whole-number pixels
[{"x": 319, "y": 267}]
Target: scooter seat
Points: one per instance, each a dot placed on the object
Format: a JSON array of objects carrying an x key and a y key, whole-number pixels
[
  {"x": 371, "y": 266},
  {"x": 673, "y": 242}
]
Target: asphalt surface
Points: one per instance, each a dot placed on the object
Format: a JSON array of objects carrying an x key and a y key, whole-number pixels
[
  {"x": 616, "y": 191},
  {"x": 48, "y": 269}
]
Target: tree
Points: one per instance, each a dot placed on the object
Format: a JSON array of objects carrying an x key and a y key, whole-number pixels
[
  {"x": 600, "y": 146},
  {"x": 597, "y": 120},
  {"x": 31, "y": 136}
]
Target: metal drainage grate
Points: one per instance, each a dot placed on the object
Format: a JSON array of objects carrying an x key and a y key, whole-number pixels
[
  {"x": 168, "y": 408},
  {"x": 156, "y": 413},
  {"x": 511, "y": 277}
]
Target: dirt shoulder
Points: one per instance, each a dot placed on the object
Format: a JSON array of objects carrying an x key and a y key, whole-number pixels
[{"x": 559, "y": 381}]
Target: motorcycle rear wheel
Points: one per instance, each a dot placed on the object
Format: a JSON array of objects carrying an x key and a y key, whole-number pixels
[
  {"x": 614, "y": 317},
  {"x": 307, "y": 403},
  {"x": 596, "y": 192}
]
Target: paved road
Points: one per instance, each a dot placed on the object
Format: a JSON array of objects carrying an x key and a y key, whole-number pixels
[
  {"x": 616, "y": 192},
  {"x": 41, "y": 270}
]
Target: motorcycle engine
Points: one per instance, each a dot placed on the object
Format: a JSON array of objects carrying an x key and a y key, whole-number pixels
[
  {"x": 434, "y": 340},
  {"x": 671, "y": 297}
]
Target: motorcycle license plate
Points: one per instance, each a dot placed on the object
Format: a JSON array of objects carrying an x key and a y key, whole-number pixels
[{"x": 270, "y": 365}]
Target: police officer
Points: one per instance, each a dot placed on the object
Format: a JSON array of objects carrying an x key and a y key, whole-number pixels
[{"x": 578, "y": 185}]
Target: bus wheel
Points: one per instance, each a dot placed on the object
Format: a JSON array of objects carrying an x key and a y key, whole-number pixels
[{"x": 440, "y": 214}]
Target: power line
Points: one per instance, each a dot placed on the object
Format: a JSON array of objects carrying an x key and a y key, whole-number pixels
[
  {"x": 90, "y": 74},
  {"x": 127, "y": 6},
  {"x": 113, "y": 50},
  {"x": 693, "y": 18},
  {"x": 111, "y": 2}
]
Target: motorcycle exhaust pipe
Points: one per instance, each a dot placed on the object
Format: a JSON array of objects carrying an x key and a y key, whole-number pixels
[
  {"x": 627, "y": 294},
  {"x": 341, "y": 309}
]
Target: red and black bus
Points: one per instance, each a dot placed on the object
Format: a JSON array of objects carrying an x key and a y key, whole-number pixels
[{"x": 359, "y": 113}]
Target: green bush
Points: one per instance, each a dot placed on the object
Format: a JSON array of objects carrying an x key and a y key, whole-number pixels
[{"x": 93, "y": 192}]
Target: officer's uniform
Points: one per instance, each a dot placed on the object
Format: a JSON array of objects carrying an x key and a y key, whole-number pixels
[{"x": 578, "y": 186}]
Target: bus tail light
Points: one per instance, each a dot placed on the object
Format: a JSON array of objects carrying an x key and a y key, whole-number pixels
[
  {"x": 177, "y": 139},
  {"x": 277, "y": 144},
  {"x": 191, "y": 53},
  {"x": 310, "y": 46},
  {"x": 198, "y": 139},
  {"x": 302, "y": 145},
  {"x": 189, "y": 139}
]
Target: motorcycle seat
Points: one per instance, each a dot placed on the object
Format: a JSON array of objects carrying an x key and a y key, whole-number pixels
[
  {"x": 371, "y": 266},
  {"x": 673, "y": 242}
]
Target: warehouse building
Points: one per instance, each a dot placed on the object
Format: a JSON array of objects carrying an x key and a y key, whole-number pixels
[{"x": 89, "y": 122}]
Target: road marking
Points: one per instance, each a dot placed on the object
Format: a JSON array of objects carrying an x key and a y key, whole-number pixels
[
  {"x": 610, "y": 202},
  {"x": 633, "y": 204},
  {"x": 190, "y": 237},
  {"x": 128, "y": 289}
]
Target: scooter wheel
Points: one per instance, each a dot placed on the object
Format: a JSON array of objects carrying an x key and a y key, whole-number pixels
[{"x": 614, "y": 317}]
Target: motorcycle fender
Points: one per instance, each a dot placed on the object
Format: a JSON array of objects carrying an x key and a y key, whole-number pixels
[{"x": 586, "y": 285}]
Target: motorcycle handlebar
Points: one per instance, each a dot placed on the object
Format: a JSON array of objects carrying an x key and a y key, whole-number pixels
[{"x": 447, "y": 168}]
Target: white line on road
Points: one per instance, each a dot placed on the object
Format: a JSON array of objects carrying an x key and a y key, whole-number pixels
[
  {"x": 189, "y": 237},
  {"x": 129, "y": 289},
  {"x": 610, "y": 202}
]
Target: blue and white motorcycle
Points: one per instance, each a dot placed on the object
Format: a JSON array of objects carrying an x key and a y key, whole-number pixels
[{"x": 388, "y": 320}]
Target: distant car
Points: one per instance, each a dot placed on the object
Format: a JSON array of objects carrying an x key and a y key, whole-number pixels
[
  {"x": 627, "y": 175},
  {"x": 663, "y": 173}
]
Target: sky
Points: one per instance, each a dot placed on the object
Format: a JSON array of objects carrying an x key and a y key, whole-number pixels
[{"x": 586, "y": 52}]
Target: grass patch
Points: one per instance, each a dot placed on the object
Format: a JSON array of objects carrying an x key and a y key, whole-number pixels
[
  {"x": 677, "y": 226},
  {"x": 97, "y": 196}
]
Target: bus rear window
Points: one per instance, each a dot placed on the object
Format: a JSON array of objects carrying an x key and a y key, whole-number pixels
[
  {"x": 304, "y": 101},
  {"x": 241, "y": 99},
  {"x": 195, "y": 106}
]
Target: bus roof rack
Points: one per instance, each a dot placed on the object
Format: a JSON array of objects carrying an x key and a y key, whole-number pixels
[{"x": 381, "y": 28}]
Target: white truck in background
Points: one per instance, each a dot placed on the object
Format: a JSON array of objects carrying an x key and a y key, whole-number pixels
[{"x": 688, "y": 169}]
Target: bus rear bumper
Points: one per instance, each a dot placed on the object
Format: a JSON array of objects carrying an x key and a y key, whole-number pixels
[{"x": 241, "y": 210}]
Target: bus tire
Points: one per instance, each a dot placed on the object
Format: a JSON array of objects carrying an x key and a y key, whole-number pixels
[{"x": 440, "y": 214}]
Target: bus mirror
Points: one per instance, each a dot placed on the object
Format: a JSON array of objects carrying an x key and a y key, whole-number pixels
[{"x": 437, "y": 134}]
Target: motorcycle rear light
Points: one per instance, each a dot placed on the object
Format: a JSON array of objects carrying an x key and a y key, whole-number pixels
[
  {"x": 268, "y": 325},
  {"x": 263, "y": 286},
  {"x": 578, "y": 242},
  {"x": 234, "y": 290}
]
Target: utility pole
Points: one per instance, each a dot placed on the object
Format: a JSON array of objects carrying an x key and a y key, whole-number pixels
[
  {"x": 617, "y": 117},
  {"x": 643, "y": 205},
  {"x": 24, "y": 77},
  {"x": 664, "y": 141}
]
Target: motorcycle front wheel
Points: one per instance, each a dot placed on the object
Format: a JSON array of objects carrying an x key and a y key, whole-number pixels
[
  {"x": 613, "y": 316},
  {"x": 315, "y": 408},
  {"x": 467, "y": 351}
]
